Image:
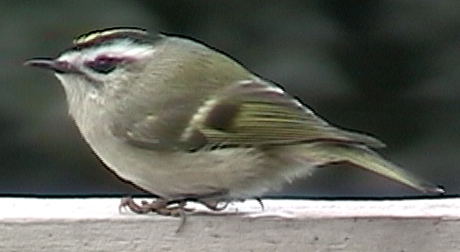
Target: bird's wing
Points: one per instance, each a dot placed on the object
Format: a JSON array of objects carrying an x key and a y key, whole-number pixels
[
  {"x": 259, "y": 113},
  {"x": 246, "y": 114}
]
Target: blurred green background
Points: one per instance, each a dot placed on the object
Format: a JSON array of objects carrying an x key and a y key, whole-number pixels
[{"x": 390, "y": 68}]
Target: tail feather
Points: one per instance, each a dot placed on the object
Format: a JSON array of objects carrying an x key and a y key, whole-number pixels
[{"x": 367, "y": 159}]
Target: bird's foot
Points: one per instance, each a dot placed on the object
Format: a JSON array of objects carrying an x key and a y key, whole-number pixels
[
  {"x": 159, "y": 206},
  {"x": 221, "y": 205},
  {"x": 143, "y": 208},
  {"x": 174, "y": 208}
]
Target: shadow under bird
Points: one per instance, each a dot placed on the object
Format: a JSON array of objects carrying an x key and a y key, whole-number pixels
[{"x": 186, "y": 122}]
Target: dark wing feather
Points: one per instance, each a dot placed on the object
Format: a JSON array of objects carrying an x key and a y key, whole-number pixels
[{"x": 258, "y": 113}]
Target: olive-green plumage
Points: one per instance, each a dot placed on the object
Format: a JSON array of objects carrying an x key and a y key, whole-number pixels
[
  {"x": 368, "y": 160},
  {"x": 182, "y": 120}
]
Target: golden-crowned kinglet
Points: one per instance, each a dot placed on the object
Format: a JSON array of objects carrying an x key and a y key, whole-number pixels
[{"x": 186, "y": 122}]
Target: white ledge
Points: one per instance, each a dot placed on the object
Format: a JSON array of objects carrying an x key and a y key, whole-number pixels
[{"x": 30, "y": 224}]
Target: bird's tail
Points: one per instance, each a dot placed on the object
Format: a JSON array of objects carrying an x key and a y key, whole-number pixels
[{"x": 326, "y": 152}]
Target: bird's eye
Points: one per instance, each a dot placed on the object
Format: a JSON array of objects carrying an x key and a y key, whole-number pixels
[{"x": 103, "y": 64}]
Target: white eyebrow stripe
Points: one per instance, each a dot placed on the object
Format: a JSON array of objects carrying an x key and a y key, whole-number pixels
[{"x": 121, "y": 48}]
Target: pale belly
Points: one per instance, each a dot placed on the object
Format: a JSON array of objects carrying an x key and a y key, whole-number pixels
[{"x": 226, "y": 173}]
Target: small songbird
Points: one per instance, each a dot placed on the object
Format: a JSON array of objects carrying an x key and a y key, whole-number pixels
[{"x": 186, "y": 122}]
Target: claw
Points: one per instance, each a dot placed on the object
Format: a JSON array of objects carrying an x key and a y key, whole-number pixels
[
  {"x": 214, "y": 205},
  {"x": 261, "y": 204}
]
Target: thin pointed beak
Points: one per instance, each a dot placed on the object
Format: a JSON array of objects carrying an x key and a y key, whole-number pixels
[{"x": 60, "y": 67}]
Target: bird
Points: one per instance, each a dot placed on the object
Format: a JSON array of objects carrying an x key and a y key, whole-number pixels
[{"x": 186, "y": 122}]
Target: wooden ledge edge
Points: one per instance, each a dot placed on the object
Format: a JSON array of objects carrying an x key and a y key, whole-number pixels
[{"x": 34, "y": 209}]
